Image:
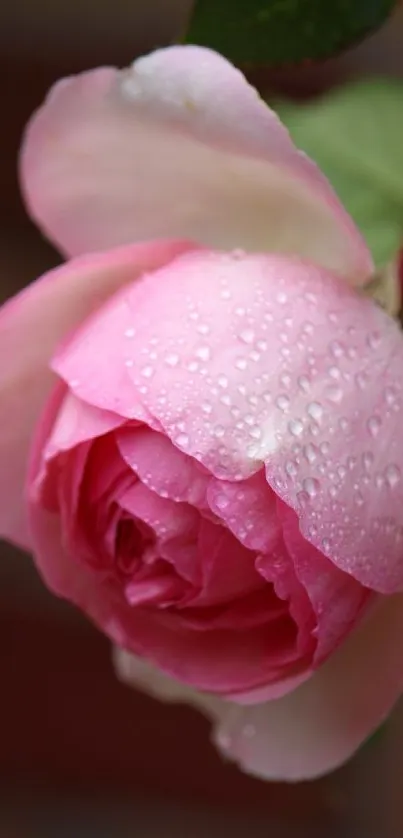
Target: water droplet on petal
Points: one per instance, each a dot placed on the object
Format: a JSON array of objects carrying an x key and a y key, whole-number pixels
[
  {"x": 172, "y": 359},
  {"x": 374, "y": 425},
  {"x": 291, "y": 468},
  {"x": 222, "y": 381},
  {"x": 311, "y": 486},
  {"x": 295, "y": 427},
  {"x": 219, "y": 431},
  {"x": 283, "y": 403},
  {"x": 315, "y": 411},
  {"x": 247, "y": 336},
  {"x": 130, "y": 333},
  {"x": 241, "y": 363},
  {"x": 148, "y": 371},
  {"x": 203, "y": 352},
  {"x": 336, "y": 348},
  {"x": 206, "y": 407},
  {"x": 310, "y": 452},
  {"x": 203, "y": 329},
  {"x": 303, "y": 383},
  {"x": 392, "y": 475},
  {"x": 182, "y": 440}
]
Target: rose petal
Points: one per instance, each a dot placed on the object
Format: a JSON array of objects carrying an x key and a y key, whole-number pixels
[
  {"x": 31, "y": 326},
  {"x": 267, "y": 359},
  {"x": 316, "y": 728},
  {"x": 336, "y": 598},
  {"x": 179, "y": 145}
]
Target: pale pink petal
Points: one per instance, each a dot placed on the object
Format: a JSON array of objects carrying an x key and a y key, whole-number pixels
[
  {"x": 31, "y": 326},
  {"x": 316, "y": 728},
  {"x": 269, "y": 360},
  {"x": 179, "y": 145}
]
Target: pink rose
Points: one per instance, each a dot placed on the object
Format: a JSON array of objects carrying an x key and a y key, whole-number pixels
[{"x": 213, "y": 434}]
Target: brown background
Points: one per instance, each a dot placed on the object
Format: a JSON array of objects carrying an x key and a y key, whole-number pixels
[{"x": 78, "y": 751}]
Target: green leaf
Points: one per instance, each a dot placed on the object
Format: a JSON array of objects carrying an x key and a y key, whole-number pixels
[
  {"x": 276, "y": 32},
  {"x": 355, "y": 135}
]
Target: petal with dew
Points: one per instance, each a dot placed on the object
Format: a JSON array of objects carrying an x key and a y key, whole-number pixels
[
  {"x": 296, "y": 371},
  {"x": 179, "y": 145}
]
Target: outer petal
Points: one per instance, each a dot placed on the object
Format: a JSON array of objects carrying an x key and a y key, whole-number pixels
[
  {"x": 266, "y": 359},
  {"x": 31, "y": 326},
  {"x": 317, "y": 727},
  {"x": 179, "y": 145}
]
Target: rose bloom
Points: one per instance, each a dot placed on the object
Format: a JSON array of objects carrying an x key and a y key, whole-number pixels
[{"x": 201, "y": 411}]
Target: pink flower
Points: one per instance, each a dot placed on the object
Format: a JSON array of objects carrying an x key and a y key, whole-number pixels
[{"x": 215, "y": 471}]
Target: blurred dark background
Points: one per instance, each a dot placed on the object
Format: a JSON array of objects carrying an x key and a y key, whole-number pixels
[{"x": 80, "y": 754}]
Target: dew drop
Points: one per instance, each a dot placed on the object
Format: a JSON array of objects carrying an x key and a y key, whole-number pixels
[
  {"x": 172, "y": 359},
  {"x": 311, "y": 486},
  {"x": 361, "y": 380},
  {"x": 222, "y": 381},
  {"x": 315, "y": 411},
  {"x": 241, "y": 363},
  {"x": 334, "y": 372},
  {"x": 129, "y": 362},
  {"x": 285, "y": 379},
  {"x": 147, "y": 371},
  {"x": 193, "y": 366},
  {"x": 326, "y": 544},
  {"x": 281, "y": 298},
  {"x": 359, "y": 499},
  {"x": 392, "y": 475},
  {"x": 130, "y": 333},
  {"x": 295, "y": 427},
  {"x": 255, "y": 433},
  {"x": 225, "y": 294},
  {"x": 247, "y": 336},
  {"x": 291, "y": 468},
  {"x": 283, "y": 403},
  {"x": 379, "y": 481},
  {"x": 203, "y": 329},
  {"x": 182, "y": 440},
  {"x": 262, "y": 345},
  {"x": 222, "y": 501},
  {"x": 390, "y": 395},
  {"x": 303, "y": 383},
  {"x": 310, "y": 452},
  {"x": 336, "y": 348},
  {"x": 206, "y": 407},
  {"x": 374, "y": 425},
  {"x": 203, "y": 352},
  {"x": 219, "y": 431}
]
